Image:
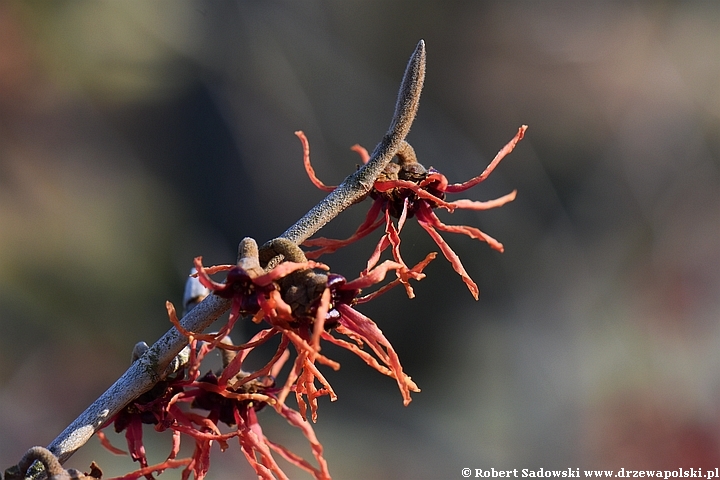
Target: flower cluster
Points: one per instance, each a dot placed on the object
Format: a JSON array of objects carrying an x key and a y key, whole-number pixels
[
  {"x": 305, "y": 305},
  {"x": 231, "y": 401},
  {"x": 407, "y": 189},
  {"x": 302, "y": 304}
]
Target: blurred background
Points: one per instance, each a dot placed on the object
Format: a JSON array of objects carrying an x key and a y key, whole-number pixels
[{"x": 137, "y": 135}]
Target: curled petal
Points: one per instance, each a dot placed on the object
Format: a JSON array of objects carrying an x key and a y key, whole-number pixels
[
  {"x": 211, "y": 338},
  {"x": 364, "y": 155},
  {"x": 357, "y": 350},
  {"x": 172, "y": 315},
  {"x": 289, "y": 382},
  {"x": 414, "y": 273},
  {"x": 203, "y": 275},
  {"x": 435, "y": 177},
  {"x": 306, "y": 386},
  {"x": 134, "y": 435},
  {"x": 295, "y": 419},
  {"x": 214, "y": 269},
  {"x": 424, "y": 194},
  {"x": 282, "y": 348},
  {"x": 391, "y": 237},
  {"x": 175, "y": 446},
  {"x": 275, "y": 308},
  {"x": 459, "y": 187},
  {"x": 498, "y": 202},
  {"x": 252, "y": 441},
  {"x": 305, "y": 350},
  {"x": 451, "y": 257},
  {"x": 244, "y": 346},
  {"x": 197, "y": 434},
  {"x": 301, "y": 345},
  {"x": 428, "y": 216},
  {"x": 145, "y": 472},
  {"x": 320, "y": 317},
  {"x": 308, "y": 167},
  {"x": 373, "y": 336},
  {"x": 376, "y": 275},
  {"x": 235, "y": 365},
  {"x": 206, "y": 424},
  {"x": 381, "y": 246},
  {"x": 285, "y": 269},
  {"x": 279, "y": 364},
  {"x": 371, "y": 223},
  {"x": 105, "y": 442}
]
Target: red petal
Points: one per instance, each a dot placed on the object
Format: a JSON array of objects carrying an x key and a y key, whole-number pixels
[
  {"x": 133, "y": 435},
  {"x": 371, "y": 223},
  {"x": 320, "y": 316},
  {"x": 170, "y": 463},
  {"x": 175, "y": 446},
  {"x": 435, "y": 177},
  {"x": 424, "y": 194},
  {"x": 252, "y": 440},
  {"x": 235, "y": 365},
  {"x": 364, "y": 155},
  {"x": 285, "y": 269},
  {"x": 429, "y": 216},
  {"x": 373, "y": 336},
  {"x": 414, "y": 273},
  {"x": 295, "y": 419},
  {"x": 204, "y": 276},
  {"x": 304, "y": 350},
  {"x": 450, "y": 255},
  {"x": 376, "y": 275},
  {"x": 498, "y": 202},
  {"x": 306, "y": 386},
  {"x": 108, "y": 446},
  {"x": 459, "y": 187},
  {"x": 308, "y": 168},
  {"x": 382, "y": 244}
]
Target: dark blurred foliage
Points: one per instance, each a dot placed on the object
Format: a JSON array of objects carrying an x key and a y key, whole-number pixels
[{"x": 136, "y": 135}]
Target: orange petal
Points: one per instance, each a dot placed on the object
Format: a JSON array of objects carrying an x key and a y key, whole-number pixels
[
  {"x": 370, "y": 224},
  {"x": 376, "y": 275},
  {"x": 429, "y": 216},
  {"x": 459, "y": 187},
  {"x": 451, "y": 257},
  {"x": 105, "y": 442},
  {"x": 414, "y": 273},
  {"x": 424, "y": 194},
  {"x": 294, "y": 418},
  {"x": 308, "y": 167},
  {"x": 498, "y": 202},
  {"x": 284, "y": 269},
  {"x": 373, "y": 336}
]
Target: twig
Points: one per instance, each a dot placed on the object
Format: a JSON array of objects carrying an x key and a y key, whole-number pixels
[
  {"x": 357, "y": 185},
  {"x": 142, "y": 375},
  {"x": 152, "y": 366}
]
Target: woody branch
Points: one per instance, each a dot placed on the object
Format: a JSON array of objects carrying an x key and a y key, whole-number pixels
[{"x": 156, "y": 363}]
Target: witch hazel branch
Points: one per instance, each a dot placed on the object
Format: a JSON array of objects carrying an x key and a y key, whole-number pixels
[{"x": 301, "y": 305}]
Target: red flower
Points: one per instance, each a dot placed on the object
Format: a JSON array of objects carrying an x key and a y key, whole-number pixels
[
  {"x": 230, "y": 399},
  {"x": 407, "y": 189},
  {"x": 305, "y": 306},
  {"x": 302, "y": 305}
]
